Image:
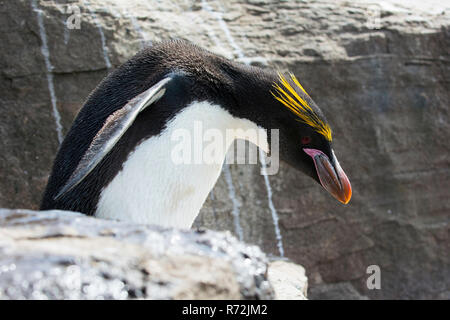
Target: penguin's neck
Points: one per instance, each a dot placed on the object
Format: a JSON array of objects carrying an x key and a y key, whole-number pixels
[{"x": 161, "y": 182}]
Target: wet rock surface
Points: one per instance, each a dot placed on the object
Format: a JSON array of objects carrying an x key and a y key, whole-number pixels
[
  {"x": 381, "y": 80},
  {"x": 66, "y": 255}
]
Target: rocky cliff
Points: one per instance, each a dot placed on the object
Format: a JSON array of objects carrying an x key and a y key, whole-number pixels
[{"x": 379, "y": 72}]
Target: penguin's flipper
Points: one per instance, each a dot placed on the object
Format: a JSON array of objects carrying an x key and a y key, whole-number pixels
[{"x": 113, "y": 129}]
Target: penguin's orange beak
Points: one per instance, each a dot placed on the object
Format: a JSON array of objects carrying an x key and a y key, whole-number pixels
[{"x": 331, "y": 177}]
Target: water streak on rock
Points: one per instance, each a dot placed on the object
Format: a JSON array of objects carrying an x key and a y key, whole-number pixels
[
  {"x": 46, "y": 53},
  {"x": 102, "y": 35}
]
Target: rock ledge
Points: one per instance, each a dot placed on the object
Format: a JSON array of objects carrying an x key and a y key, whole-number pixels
[{"x": 66, "y": 255}]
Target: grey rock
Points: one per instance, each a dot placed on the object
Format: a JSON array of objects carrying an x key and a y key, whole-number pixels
[
  {"x": 383, "y": 85},
  {"x": 288, "y": 280},
  {"x": 66, "y": 255}
]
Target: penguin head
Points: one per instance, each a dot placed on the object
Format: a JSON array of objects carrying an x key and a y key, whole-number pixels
[{"x": 305, "y": 137}]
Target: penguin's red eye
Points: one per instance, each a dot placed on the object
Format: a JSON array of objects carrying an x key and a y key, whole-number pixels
[{"x": 306, "y": 139}]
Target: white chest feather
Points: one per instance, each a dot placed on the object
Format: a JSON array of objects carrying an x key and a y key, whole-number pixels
[{"x": 155, "y": 188}]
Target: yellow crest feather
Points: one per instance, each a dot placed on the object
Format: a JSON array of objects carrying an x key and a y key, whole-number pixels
[{"x": 297, "y": 105}]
